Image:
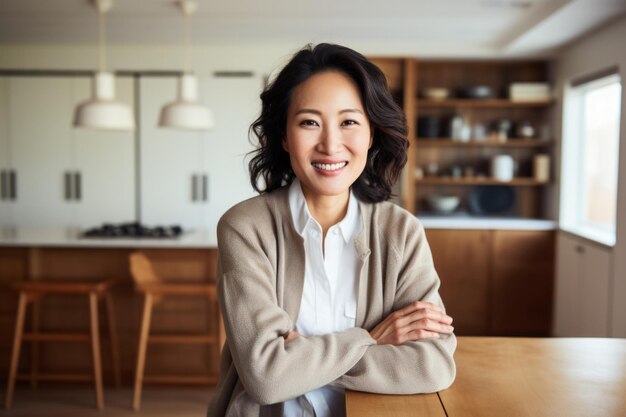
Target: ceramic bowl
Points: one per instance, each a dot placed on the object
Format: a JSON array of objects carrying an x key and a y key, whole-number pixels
[
  {"x": 443, "y": 203},
  {"x": 436, "y": 93}
]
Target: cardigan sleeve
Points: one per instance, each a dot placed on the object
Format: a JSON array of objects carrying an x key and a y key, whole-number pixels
[
  {"x": 421, "y": 366},
  {"x": 271, "y": 370}
]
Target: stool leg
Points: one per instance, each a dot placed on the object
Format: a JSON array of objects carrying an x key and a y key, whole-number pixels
[
  {"x": 217, "y": 325},
  {"x": 95, "y": 347},
  {"x": 115, "y": 356},
  {"x": 34, "y": 368},
  {"x": 141, "y": 356},
  {"x": 17, "y": 342}
]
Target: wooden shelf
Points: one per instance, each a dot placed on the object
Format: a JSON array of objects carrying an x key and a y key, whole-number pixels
[
  {"x": 487, "y": 103},
  {"x": 511, "y": 143},
  {"x": 519, "y": 182}
]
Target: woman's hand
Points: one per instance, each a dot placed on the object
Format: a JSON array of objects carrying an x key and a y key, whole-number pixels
[{"x": 418, "y": 320}]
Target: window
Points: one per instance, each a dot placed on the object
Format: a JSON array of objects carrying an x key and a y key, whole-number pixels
[{"x": 591, "y": 125}]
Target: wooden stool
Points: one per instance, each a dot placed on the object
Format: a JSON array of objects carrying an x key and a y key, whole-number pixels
[
  {"x": 155, "y": 289},
  {"x": 32, "y": 292}
]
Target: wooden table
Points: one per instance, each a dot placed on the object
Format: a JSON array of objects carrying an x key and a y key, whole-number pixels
[{"x": 518, "y": 377}]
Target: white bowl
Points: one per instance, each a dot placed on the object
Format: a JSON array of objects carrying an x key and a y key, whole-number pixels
[
  {"x": 436, "y": 93},
  {"x": 443, "y": 203}
]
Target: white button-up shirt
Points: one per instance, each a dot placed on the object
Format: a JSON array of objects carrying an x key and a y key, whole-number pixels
[{"x": 329, "y": 296}]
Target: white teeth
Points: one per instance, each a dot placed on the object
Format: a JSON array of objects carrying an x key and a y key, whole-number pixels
[{"x": 330, "y": 167}]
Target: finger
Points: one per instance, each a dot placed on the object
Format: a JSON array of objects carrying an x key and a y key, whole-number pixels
[
  {"x": 397, "y": 325},
  {"x": 418, "y": 305},
  {"x": 431, "y": 326},
  {"x": 422, "y": 334},
  {"x": 428, "y": 314}
]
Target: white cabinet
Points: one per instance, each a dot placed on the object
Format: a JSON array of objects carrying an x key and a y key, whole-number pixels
[
  {"x": 6, "y": 170},
  {"x": 105, "y": 162},
  {"x": 582, "y": 288},
  {"x": 65, "y": 176},
  {"x": 187, "y": 177}
]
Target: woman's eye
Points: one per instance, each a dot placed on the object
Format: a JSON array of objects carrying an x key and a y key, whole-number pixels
[
  {"x": 350, "y": 123},
  {"x": 308, "y": 122}
]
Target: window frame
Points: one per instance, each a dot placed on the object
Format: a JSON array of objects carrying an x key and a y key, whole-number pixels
[{"x": 572, "y": 158}]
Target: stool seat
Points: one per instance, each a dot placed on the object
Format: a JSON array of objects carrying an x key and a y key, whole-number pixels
[
  {"x": 32, "y": 292},
  {"x": 178, "y": 288}
]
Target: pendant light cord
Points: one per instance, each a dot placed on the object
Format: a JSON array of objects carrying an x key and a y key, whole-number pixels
[
  {"x": 101, "y": 33},
  {"x": 187, "y": 45}
]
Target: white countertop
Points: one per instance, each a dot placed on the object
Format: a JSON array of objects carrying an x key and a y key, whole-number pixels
[
  {"x": 60, "y": 237},
  {"x": 205, "y": 238},
  {"x": 485, "y": 223}
]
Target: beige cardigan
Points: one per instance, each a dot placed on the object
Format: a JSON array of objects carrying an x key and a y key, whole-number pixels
[{"x": 260, "y": 280}]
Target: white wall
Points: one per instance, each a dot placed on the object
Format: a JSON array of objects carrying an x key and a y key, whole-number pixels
[{"x": 600, "y": 50}]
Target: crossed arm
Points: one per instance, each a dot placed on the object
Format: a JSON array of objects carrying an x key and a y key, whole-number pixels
[{"x": 409, "y": 351}]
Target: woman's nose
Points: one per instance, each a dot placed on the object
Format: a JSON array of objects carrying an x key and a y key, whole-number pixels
[{"x": 330, "y": 141}]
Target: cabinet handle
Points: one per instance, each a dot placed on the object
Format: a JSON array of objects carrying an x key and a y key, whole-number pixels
[
  {"x": 68, "y": 186},
  {"x": 205, "y": 187},
  {"x": 580, "y": 249},
  {"x": 3, "y": 185},
  {"x": 77, "y": 186},
  {"x": 194, "y": 188},
  {"x": 12, "y": 185}
]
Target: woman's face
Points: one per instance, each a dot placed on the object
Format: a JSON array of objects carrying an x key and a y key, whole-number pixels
[{"x": 328, "y": 134}]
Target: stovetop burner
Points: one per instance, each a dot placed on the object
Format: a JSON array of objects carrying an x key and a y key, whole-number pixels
[{"x": 134, "y": 230}]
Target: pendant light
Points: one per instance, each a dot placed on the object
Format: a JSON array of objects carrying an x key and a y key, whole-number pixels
[
  {"x": 186, "y": 112},
  {"x": 102, "y": 111}
]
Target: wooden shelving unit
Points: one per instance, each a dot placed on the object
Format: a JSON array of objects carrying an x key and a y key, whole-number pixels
[
  {"x": 474, "y": 156},
  {"x": 486, "y": 103},
  {"x": 518, "y": 182},
  {"x": 511, "y": 143}
]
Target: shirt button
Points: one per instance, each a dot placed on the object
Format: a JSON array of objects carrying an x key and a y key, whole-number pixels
[{"x": 336, "y": 231}]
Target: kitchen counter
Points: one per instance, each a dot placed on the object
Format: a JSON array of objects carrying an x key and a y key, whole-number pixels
[
  {"x": 62, "y": 237},
  {"x": 206, "y": 238},
  {"x": 484, "y": 223}
]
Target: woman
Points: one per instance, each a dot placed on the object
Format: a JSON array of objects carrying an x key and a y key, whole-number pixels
[{"x": 323, "y": 285}]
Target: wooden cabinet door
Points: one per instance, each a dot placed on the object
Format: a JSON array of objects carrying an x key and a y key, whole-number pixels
[
  {"x": 582, "y": 289},
  {"x": 462, "y": 261},
  {"x": 523, "y": 280}
]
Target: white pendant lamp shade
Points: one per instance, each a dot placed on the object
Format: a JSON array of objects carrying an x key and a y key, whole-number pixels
[
  {"x": 185, "y": 112},
  {"x": 101, "y": 111}
]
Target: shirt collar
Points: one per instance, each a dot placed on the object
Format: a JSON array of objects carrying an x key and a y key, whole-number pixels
[{"x": 302, "y": 218}]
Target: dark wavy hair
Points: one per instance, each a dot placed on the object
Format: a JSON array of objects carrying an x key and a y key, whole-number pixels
[{"x": 388, "y": 153}]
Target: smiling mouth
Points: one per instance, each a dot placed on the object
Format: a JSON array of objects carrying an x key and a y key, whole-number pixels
[{"x": 330, "y": 167}]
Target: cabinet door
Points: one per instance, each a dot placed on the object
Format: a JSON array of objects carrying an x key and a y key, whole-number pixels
[
  {"x": 105, "y": 161},
  {"x": 566, "y": 289},
  {"x": 523, "y": 280},
  {"x": 235, "y": 103},
  {"x": 5, "y": 204},
  {"x": 169, "y": 160},
  {"x": 582, "y": 298},
  {"x": 41, "y": 115},
  {"x": 462, "y": 260},
  {"x": 4, "y": 123}
]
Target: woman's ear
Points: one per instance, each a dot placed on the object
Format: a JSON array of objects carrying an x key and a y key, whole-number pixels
[
  {"x": 371, "y": 142},
  {"x": 283, "y": 142}
]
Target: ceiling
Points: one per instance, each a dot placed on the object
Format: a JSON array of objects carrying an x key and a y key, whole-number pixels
[{"x": 501, "y": 27}]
